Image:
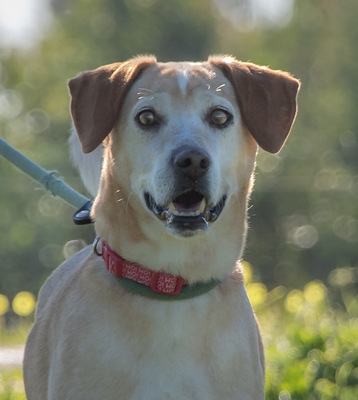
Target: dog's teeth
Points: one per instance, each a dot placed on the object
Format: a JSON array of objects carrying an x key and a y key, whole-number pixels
[
  {"x": 164, "y": 215},
  {"x": 210, "y": 215},
  {"x": 195, "y": 213},
  {"x": 202, "y": 206},
  {"x": 168, "y": 215}
]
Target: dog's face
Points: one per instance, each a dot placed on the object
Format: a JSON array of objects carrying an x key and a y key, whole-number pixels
[
  {"x": 181, "y": 131},
  {"x": 183, "y": 135}
]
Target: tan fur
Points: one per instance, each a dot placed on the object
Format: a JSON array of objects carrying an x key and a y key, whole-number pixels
[{"x": 93, "y": 339}]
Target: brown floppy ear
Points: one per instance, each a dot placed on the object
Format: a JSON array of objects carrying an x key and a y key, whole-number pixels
[
  {"x": 97, "y": 97},
  {"x": 266, "y": 98}
]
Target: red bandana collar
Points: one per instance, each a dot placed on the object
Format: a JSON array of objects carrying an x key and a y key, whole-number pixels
[{"x": 159, "y": 282}]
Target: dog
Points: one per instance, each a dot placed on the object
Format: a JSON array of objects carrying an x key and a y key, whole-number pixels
[{"x": 158, "y": 308}]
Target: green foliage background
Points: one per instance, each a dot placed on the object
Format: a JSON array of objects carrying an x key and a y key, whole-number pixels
[{"x": 304, "y": 215}]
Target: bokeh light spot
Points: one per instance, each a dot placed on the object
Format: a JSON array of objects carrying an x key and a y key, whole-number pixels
[
  {"x": 294, "y": 301},
  {"x": 305, "y": 236},
  {"x": 72, "y": 247},
  {"x": 24, "y": 304},
  {"x": 4, "y": 304},
  {"x": 247, "y": 271},
  {"x": 315, "y": 292},
  {"x": 257, "y": 293}
]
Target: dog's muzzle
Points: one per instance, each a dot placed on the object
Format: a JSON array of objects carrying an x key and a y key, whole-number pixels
[
  {"x": 186, "y": 213},
  {"x": 189, "y": 210}
]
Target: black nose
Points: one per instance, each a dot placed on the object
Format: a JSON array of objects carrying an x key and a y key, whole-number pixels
[{"x": 191, "y": 162}]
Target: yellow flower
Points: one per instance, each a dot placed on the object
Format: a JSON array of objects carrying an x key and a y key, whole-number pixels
[
  {"x": 257, "y": 293},
  {"x": 247, "y": 271},
  {"x": 314, "y": 292},
  {"x": 24, "y": 304},
  {"x": 294, "y": 301},
  {"x": 4, "y": 304}
]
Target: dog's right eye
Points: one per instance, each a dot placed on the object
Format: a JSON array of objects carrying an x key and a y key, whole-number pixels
[{"x": 146, "y": 118}]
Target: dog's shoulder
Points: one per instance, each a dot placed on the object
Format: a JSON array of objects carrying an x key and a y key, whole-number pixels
[{"x": 62, "y": 277}]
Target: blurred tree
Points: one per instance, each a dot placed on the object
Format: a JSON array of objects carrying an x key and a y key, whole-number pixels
[
  {"x": 35, "y": 118},
  {"x": 304, "y": 220},
  {"x": 305, "y": 216}
]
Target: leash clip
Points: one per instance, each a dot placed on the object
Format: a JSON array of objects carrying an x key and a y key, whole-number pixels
[{"x": 83, "y": 215}]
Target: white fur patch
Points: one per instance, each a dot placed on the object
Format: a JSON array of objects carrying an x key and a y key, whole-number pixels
[
  {"x": 183, "y": 78},
  {"x": 88, "y": 165}
]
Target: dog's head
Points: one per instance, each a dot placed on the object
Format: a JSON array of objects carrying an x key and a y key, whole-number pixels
[{"x": 183, "y": 136}]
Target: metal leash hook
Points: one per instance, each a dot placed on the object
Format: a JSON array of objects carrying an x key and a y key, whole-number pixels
[{"x": 97, "y": 242}]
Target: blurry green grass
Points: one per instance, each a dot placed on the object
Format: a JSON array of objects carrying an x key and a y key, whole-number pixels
[
  {"x": 11, "y": 382},
  {"x": 11, "y": 385},
  {"x": 310, "y": 337}
]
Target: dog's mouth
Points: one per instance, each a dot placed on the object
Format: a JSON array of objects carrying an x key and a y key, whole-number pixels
[{"x": 187, "y": 212}]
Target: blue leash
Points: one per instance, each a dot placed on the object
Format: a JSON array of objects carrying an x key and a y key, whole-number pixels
[{"x": 47, "y": 179}]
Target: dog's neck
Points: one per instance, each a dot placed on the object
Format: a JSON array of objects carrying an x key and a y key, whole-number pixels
[
  {"x": 145, "y": 282},
  {"x": 122, "y": 221}
]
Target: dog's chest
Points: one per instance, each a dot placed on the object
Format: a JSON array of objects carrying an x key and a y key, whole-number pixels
[{"x": 197, "y": 349}]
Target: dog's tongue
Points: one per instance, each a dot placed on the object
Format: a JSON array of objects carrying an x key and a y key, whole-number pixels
[
  {"x": 184, "y": 207},
  {"x": 190, "y": 202}
]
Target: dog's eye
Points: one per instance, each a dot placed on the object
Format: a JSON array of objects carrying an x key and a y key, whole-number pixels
[
  {"x": 220, "y": 117},
  {"x": 146, "y": 118}
]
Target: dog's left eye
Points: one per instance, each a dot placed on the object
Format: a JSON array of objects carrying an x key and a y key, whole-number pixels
[
  {"x": 220, "y": 117},
  {"x": 146, "y": 118}
]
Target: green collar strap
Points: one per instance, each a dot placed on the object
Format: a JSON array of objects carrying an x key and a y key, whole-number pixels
[{"x": 187, "y": 292}]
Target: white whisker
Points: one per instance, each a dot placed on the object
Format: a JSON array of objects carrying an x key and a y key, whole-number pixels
[
  {"x": 119, "y": 199},
  {"x": 145, "y": 90},
  {"x": 128, "y": 198},
  {"x": 218, "y": 89},
  {"x": 144, "y": 93}
]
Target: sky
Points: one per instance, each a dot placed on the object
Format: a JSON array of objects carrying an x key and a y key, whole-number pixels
[
  {"x": 259, "y": 13},
  {"x": 23, "y": 22}
]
